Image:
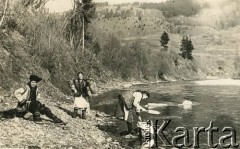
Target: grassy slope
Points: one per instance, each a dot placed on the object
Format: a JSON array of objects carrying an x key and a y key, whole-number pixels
[
  {"x": 16, "y": 65},
  {"x": 215, "y": 49}
]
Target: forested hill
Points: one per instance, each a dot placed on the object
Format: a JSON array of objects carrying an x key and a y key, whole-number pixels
[{"x": 122, "y": 42}]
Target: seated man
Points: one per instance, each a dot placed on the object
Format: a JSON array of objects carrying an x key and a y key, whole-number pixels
[{"x": 28, "y": 102}]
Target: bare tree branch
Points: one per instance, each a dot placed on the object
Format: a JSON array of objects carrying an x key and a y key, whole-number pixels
[{"x": 4, "y": 13}]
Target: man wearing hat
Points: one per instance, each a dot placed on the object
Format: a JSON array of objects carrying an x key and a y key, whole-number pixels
[{"x": 28, "y": 101}]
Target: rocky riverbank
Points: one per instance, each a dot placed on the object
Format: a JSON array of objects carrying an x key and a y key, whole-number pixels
[{"x": 97, "y": 131}]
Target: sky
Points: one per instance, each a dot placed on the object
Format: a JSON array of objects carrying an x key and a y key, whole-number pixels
[
  {"x": 64, "y": 5},
  {"x": 126, "y": 1}
]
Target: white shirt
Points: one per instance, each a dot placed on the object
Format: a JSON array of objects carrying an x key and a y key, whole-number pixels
[{"x": 137, "y": 98}]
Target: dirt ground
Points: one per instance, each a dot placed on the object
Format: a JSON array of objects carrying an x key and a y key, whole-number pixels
[{"x": 99, "y": 130}]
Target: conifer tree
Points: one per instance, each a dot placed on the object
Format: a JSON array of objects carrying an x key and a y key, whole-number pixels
[
  {"x": 164, "y": 39},
  {"x": 187, "y": 48}
]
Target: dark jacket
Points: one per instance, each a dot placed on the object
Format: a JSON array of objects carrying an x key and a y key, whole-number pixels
[
  {"x": 81, "y": 87},
  {"x": 128, "y": 99}
]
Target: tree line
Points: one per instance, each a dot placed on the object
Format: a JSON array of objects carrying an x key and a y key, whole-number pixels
[{"x": 172, "y": 8}]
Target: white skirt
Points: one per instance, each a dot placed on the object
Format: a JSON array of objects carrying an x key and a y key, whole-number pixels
[{"x": 81, "y": 103}]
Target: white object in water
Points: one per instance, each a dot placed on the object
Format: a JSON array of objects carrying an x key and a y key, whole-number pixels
[
  {"x": 127, "y": 85},
  {"x": 153, "y": 112},
  {"x": 186, "y": 104},
  {"x": 156, "y": 105}
]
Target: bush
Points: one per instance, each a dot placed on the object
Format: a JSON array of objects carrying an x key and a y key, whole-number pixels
[
  {"x": 125, "y": 61},
  {"x": 160, "y": 63},
  {"x": 11, "y": 23},
  {"x": 237, "y": 66}
]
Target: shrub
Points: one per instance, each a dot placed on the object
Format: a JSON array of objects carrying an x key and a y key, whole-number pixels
[{"x": 124, "y": 60}]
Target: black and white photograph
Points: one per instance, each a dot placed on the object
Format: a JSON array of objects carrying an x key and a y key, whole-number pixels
[{"x": 119, "y": 74}]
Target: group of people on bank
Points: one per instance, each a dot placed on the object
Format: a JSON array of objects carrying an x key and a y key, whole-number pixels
[
  {"x": 128, "y": 102},
  {"x": 28, "y": 99}
]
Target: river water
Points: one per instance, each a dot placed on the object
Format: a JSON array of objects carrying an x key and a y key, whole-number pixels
[{"x": 211, "y": 103}]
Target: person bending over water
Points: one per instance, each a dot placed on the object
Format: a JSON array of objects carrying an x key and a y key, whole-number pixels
[{"x": 128, "y": 104}]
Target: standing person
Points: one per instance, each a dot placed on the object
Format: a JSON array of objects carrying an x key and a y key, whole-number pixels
[
  {"x": 128, "y": 103},
  {"x": 80, "y": 88},
  {"x": 28, "y": 97}
]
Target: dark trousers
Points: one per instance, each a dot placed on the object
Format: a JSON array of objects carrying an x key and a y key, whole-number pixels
[
  {"x": 36, "y": 108},
  {"x": 130, "y": 128}
]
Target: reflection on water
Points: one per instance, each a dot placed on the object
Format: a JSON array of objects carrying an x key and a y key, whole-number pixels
[{"x": 219, "y": 104}]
